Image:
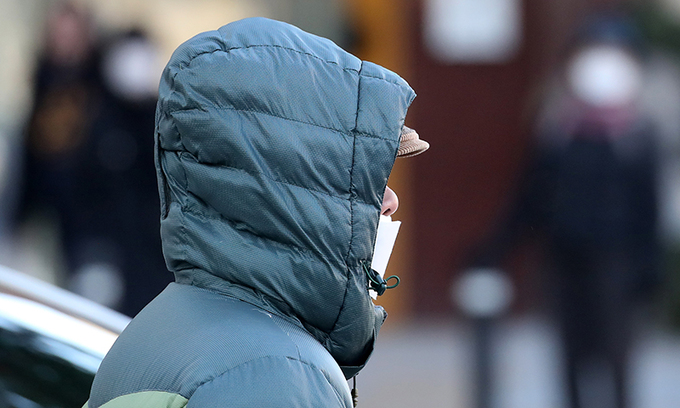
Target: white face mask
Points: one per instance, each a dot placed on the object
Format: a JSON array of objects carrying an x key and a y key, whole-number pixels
[
  {"x": 384, "y": 243},
  {"x": 132, "y": 70},
  {"x": 605, "y": 76}
]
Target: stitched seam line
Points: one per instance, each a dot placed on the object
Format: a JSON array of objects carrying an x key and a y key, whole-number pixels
[
  {"x": 363, "y": 134},
  {"x": 312, "y": 366},
  {"x": 353, "y": 200},
  {"x": 254, "y": 46},
  {"x": 315, "y": 368},
  {"x": 258, "y": 173},
  {"x": 220, "y": 217},
  {"x": 183, "y": 203},
  {"x": 352, "y": 194}
]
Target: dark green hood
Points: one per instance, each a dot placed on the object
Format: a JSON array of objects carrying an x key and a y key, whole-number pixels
[{"x": 273, "y": 150}]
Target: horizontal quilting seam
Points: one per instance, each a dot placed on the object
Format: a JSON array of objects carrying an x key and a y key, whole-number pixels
[
  {"x": 304, "y": 252},
  {"x": 255, "y": 46},
  {"x": 227, "y": 50},
  {"x": 362, "y": 134},
  {"x": 258, "y": 173},
  {"x": 220, "y": 217},
  {"x": 261, "y": 113},
  {"x": 245, "y": 363},
  {"x": 388, "y": 81}
]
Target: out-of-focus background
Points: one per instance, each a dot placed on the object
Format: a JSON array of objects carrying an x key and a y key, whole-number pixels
[{"x": 540, "y": 244}]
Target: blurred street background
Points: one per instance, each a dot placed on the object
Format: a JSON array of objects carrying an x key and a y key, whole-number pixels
[{"x": 539, "y": 252}]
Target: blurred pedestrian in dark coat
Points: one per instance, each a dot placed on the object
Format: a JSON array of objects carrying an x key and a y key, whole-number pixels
[
  {"x": 590, "y": 193},
  {"x": 88, "y": 160}
]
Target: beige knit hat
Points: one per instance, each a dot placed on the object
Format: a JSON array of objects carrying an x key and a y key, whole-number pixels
[{"x": 410, "y": 144}]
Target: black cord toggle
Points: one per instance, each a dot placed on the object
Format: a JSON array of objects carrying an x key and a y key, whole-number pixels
[{"x": 376, "y": 282}]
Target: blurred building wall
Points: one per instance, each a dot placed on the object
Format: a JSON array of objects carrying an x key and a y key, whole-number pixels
[{"x": 19, "y": 34}]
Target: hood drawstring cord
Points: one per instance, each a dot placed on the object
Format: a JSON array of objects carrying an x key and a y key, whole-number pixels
[
  {"x": 376, "y": 282},
  {"x": 379, "y": 285}
]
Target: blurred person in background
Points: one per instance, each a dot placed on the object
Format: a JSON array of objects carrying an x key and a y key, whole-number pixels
[
  {"x": 88, "y": 160},
  {"x": 595, "y": 192},
  {"x": 124, "y": 184},
  {"x": 590, "y": 196}
]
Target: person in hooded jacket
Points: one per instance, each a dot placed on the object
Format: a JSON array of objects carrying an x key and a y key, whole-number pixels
[{"x": 273, "y": 151}]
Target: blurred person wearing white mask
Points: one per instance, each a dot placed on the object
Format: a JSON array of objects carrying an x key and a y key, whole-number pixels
[{"x": 589, "y": 198}]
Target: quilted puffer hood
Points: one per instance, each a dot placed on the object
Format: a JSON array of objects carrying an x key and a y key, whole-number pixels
[{"x": 273, "y": 150}]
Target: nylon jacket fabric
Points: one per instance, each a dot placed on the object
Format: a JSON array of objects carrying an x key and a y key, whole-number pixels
[{"x": 273, "y": 150}]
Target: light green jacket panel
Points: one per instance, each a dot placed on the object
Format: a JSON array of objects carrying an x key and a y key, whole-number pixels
[{"x": 146, "y": 399}]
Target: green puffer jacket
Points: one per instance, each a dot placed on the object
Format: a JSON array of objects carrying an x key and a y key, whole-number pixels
[{"x": 273, "y": 149}]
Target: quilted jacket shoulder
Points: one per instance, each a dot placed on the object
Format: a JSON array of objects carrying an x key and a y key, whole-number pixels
[{"x": 237, "y": 356}]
